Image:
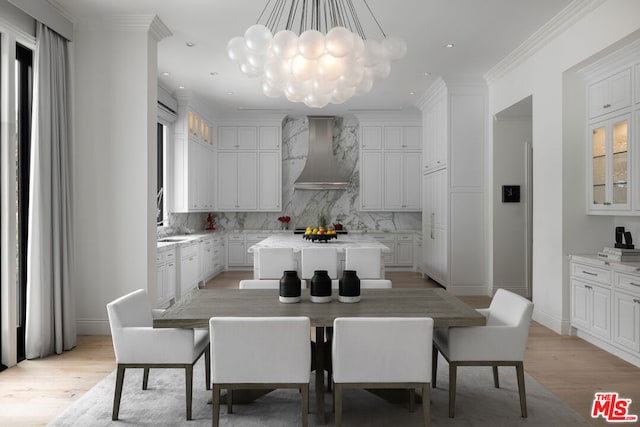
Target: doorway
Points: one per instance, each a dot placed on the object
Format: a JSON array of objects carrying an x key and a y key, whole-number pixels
[{"x": 513, "y": 198}]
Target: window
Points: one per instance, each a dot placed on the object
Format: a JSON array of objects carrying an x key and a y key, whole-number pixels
[
  {"x": 160, "y": 190},
  {"x": 24, "y": 92}
]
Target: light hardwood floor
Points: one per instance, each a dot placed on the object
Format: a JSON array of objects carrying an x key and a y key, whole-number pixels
[{"x": 35, "y": 391}]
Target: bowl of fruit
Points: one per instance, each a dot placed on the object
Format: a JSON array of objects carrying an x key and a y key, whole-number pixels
[{"x": 319, "y": 234}]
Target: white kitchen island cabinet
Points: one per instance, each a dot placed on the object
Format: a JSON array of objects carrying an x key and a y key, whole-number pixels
[{"x": 297, "y": 243}]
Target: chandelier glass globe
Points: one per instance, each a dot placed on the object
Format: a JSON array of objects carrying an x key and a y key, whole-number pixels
[{"x": 313, "y": 67}]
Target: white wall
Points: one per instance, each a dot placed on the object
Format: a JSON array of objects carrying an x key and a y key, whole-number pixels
[
  {"x": 509, "y": 219},
  {"x": 114, "y": 164},
  {"x": 542, "y": 75}
]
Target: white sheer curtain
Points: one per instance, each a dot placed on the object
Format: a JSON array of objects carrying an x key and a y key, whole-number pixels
[{"x": 50, "y": 325}]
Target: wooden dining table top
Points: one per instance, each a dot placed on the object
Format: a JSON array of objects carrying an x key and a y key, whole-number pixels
[{"x": 196, "y": 308}]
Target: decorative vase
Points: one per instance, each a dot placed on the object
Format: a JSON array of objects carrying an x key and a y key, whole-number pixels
[
  {"x": 290, "y": 287},
  {"x": 320, "y": 286},
  {"x": 349, "y": 290}
]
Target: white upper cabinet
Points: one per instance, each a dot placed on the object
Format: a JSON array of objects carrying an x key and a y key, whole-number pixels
[
  {"x": 612, "y": 85},
  {"x": 270, "y": 138},
  {"x": 610, "y": 94},
  {"x": 237, "y": 138},
  {"x": 193, "y": 161},
  {"x": 434, "y": 151},
  {"x": 390, "y": 168},
  {"x": 249, "y": 168}
]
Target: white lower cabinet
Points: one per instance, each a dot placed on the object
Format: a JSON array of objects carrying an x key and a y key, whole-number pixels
[
  {"x": 605, "y": 305},
  {"x": 235, "y": 250},
  {"x": 166, "y": 276},
  {"x": 189, "y": 267}
]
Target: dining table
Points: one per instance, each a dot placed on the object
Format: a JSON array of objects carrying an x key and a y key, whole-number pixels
[{"x": 196, "y": 308}]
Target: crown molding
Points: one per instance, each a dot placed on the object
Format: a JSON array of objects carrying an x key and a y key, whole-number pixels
[
  {"x": 133, "y": 23},
  {"x": 567, "y": 17}
]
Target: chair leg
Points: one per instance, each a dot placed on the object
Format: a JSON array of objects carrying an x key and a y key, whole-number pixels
[
  {"x": 305, "y": 405},
  {"x": 215, "y": 406},
  {"x": 229, "y": 401},
  {"x": 145, "y": 378},
  {"x": 207, "y": 367},
  {"x": 496, "y": 379},
  {"x": 426, "y": 404},
  {"x": 412, "y": 400},
  {"x": 118, "y": 393},
  {"x": 453, "y": 371},
  {"x": 521, "y": 389},
  {"x": 337, "y": 396},
  {"x": 434, "y": 365},
  {"x": 188, "y": 376}
]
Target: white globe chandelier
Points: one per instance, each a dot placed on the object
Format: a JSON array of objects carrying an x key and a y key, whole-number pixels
[{"x": 330, "y": 60}]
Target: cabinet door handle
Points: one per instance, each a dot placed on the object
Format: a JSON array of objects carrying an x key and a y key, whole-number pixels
[
  {"x": 588, "y": 287},
  {"x": 433, "y": 219},
  {"x": 606, "y": 106},
  {"x": 606, "y": 203},
  {"x": 589, "y": 273},
  {"x": 637, "y": 301},
  {"x": 634, "y": 284}
]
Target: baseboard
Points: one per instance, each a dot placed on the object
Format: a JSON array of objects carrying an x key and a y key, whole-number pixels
[
  {"x": 93, "y": 327},
  {"x": 558, "y": 326}
]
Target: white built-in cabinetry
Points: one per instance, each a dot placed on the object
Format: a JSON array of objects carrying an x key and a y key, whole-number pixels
[
  {"x": 249, "y": 168},
  {"x": 605, "y": 304},
  {"x": 613, "y": 109},
  {"x": 166, "y": 275},
  {"x": 390, "y": 167},
  {"x": 454, "y": 140},
  {"x": 194, "y": 160},
  {"x": 189, "y": 266}
]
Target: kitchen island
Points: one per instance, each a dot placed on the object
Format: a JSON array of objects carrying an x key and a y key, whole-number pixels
[{"x": 297, "y": 243}]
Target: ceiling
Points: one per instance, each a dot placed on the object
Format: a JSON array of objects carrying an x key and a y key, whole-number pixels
[{"x": 483, "y": 33}]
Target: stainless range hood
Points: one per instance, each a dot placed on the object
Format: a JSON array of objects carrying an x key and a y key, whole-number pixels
[{"x": 321, "y": 169}]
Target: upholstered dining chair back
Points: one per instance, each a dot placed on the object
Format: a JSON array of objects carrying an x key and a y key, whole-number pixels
[
  {"x": 263, "y": 284},
  {"x": 367, "y": 262},
  {"x": 382, "y": 353},
  {"x": 369, "y": 284},
  {"x": 273, "y": 261},
  {"x": 319, "y": 259},
  {"x": 259, "y": 352}
]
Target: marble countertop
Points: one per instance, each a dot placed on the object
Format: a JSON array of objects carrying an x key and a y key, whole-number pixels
[{"x": 296, "y": 242}]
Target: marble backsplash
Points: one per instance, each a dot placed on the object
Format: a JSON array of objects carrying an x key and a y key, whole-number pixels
[{"x": 305, "y": 206}]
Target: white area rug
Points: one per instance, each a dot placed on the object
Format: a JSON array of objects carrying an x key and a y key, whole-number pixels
[{"x": 163, "y": 404}]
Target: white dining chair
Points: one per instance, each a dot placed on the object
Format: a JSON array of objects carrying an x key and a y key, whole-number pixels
[
  {"x": 367, "y": 262},
  {"x": 259, "y": 353},
  {"x": 273, "y": 261},
  {"x": 363, "y": 357},
  {"x": 137, "y": 344},
  {"x": 502, "y": 342},
  {"x": 320, "y": 259}
]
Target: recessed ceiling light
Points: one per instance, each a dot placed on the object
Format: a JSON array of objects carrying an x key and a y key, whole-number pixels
[
  {"x": 165, "y": 73},
  {"x": 229, "y": 93},
  {"x": 180, "y": 87},
  {"x": 427, "y": 74},
  {"x": 412, "y": 93},
  {"x": 190, "y": 44},
  {"x": 449, "y": 45},
  {"x": 213, "y": 73}
]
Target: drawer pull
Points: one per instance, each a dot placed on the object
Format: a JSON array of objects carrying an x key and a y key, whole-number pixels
[
  {"x": 606, "y": 106},
  {"x": 589, "y": 273},
  {"x": 636, "y": 300},
  {"x": 634, "y": 284},
  {"x": 588, "y": 287}
]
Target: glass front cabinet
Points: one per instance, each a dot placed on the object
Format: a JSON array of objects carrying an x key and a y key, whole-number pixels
[{"x": 610, "y": 155}]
